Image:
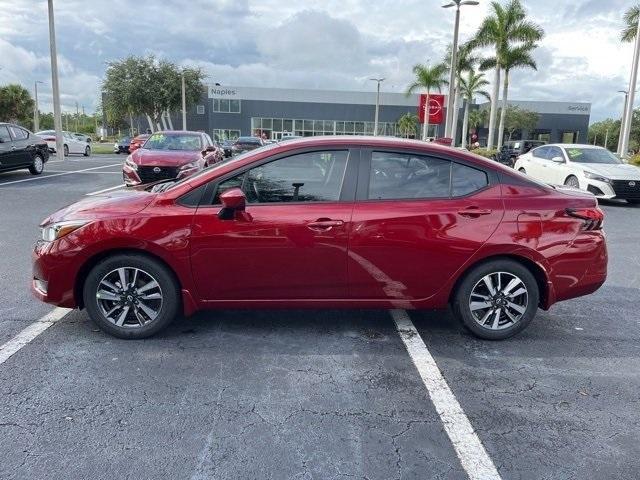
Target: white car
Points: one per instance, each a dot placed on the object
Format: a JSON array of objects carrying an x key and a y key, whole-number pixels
[
  {"x": 590, "y": 168},
  {"x": 70, "y": 142}
]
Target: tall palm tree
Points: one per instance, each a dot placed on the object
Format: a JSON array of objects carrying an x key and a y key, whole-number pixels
[
  {"x": 516, "y": 57},
  {"x": 407, "y": 124},
  {"x": 470, "y": 86},
  {"x": 506, "y": 27},
  {"x": 16, "y": 104},
  {"x": 428, "y": 78},
  {"x": 630, "y": 24},
  {"x": 467, "y": 59}
]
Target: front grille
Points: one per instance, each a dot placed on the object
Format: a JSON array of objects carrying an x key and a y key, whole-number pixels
[
  {"x": 148, "y": 175},
  {"x": 627, "y": 189}
]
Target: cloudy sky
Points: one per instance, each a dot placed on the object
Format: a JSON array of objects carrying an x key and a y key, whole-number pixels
[{"x": 333, "y": 44}]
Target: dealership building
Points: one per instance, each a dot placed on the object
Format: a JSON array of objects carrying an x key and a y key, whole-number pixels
[{"x": 229, "y": 112}]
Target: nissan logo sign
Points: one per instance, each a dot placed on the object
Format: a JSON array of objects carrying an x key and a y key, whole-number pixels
[
  {"x": 156, "y": 170},
  {"x": 632, "y": 184}
]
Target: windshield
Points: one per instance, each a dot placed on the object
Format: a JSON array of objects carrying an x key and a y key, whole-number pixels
[
  {"x": 592, "y": 155},
  {"x": 248, "y": 140},
  {"x": 162, "y": 141}
]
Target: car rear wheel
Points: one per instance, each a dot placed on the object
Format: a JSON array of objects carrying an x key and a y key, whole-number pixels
[
  {"x": 572, "y": 182},
  {"x": 37, "y": 167},
  {"x": 66, "y": 151},
  {"x": 496, "y": 300},
  {"x": 131, "y": 296},
  {"x": 87, "y": 151}
]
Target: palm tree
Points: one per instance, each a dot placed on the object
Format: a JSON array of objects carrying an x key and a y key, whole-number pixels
[
  {"x": 505, "y": 28},
  {"x": 630, "y": 24},
  {"x": 470, "y": 86},
  {"x": 16, "y": 104},
  {"x": 428, "y": 78},
  {"x": 517, "y": 57},
  {"x": 467, "y": 60},
  {"x": 407, "y": 124}
]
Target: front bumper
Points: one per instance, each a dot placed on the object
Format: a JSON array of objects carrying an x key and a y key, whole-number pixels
[
  {"x": 618, "y": 189},
  {"x": 53, "y": 275}
]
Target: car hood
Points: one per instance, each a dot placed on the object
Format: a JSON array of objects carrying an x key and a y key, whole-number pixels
[
  {"x": 621, "y": 171},
  {"x": 163, "y": 158},
  {"x": 129, "y": 201}
]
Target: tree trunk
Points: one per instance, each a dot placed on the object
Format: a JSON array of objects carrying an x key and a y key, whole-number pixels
[
  {"x": 425, "y": 130},
  {"x": 503, "y": 113},
  {"x": 465, "y": 124},
  {"x": 494, "y": 108},
  {"x": 456, "y": 108}
]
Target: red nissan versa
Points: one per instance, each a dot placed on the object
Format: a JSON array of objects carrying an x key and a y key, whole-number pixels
[
  {"x": 327, "y": 222},
  {"x": 169, "y": 155}
]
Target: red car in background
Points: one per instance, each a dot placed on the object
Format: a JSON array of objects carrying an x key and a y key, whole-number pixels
[
  {"x": 327, "y": 222},
  {"x": 137, "y": 142},
  {"x": 170, "y": 155}
]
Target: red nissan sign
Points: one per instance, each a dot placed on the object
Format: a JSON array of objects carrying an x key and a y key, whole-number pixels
[{"x": 436, "y": 108}]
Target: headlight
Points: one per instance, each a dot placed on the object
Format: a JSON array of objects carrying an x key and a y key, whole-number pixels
[
  {"x": 597, "y": 178},
  {"x": 131, "y": 164},
  {"x": 189, "y": 166},
  {"x": 57, "y": 230},
  {"x": 115, "y": 145}
]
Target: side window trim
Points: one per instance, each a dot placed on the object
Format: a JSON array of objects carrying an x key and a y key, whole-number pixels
[
  {"x": 348, "y": 187},
  {"x": 362, "y": 192}
]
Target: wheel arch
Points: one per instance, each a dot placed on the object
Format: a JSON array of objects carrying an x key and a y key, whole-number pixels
[
  {"x": 92, "y": 261},
  {"x": 536, "y": 270}
]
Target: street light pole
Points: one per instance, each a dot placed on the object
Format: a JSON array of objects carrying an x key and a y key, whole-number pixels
[
  {"x": 628, "y": 114},
  {"x": 57, "y": 118},
  {"x": 184, "y": 104},
  {"x": 36, "y": 110},
  {"x": 624, "y": 113},
  {"x": 453, "y": 73},
  {"x": 375, "y": 123}
]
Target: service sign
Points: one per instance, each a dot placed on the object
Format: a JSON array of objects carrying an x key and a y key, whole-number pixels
[{"x": 436, "y": 108}]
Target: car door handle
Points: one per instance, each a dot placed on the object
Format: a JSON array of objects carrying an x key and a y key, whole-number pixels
[
  {"x": 324, "y": 224},
  {"x": 474, "y": 212}
]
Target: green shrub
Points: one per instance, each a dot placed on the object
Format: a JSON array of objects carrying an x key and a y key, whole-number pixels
[
  {"x": 635, "y": 160},
  {"x": 484, "y": 152}
]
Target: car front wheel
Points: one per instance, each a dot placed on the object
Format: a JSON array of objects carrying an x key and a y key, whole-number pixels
[
  {"x": 496, "y": 300},
  {"x": 131, "y": 296},
  {"x": 87, "y": 151}
]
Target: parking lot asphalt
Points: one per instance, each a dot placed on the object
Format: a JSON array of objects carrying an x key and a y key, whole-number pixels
[{"x": 299, "y": 394}]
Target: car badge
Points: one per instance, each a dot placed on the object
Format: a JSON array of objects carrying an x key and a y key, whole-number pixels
[
  {"x": 632, "y": 184},
  {"x": 156, "y": 170}
]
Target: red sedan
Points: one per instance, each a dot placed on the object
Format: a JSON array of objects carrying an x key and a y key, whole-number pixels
[
  {"x": 169, "y": 155},
  {"x": 327, "y": 222},
  {"x": 138, "y": 141}
]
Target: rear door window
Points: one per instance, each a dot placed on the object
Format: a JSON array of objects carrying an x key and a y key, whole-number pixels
[
  {"x": 19, "y": 133},
  {"x": 466, "y": 180},
  {"x": 540, "y": 152},
  {"x": 4, "y": 134}
]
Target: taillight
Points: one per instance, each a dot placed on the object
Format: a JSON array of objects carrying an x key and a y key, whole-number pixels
[{"x": 593, "y": 217}]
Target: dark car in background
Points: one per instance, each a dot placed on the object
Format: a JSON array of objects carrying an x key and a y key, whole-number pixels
[
  {"x": 122, "y": 145},
  {"x": 137, "y": 142},
  {"x": 20, "y": 148},
  {"x": 170, "y": 154},
  {"x": 227, "y": 147},
  {"x": 512, "y": 149},
  {"x": 246, "y": 144}
]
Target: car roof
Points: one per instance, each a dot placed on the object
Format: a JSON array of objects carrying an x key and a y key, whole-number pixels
[{"x": 574, "y": 145}]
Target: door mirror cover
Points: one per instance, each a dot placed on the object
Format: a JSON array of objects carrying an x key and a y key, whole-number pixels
[
  {"x": 233, "y": 200},
  {"x": 557, "y": 160}
]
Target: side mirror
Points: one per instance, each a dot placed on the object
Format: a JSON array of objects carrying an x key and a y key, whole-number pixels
[
  {"x": 233, "y": 200},
  {"x": 557, "y": 160},
  {"x": 210, "y": 148}
]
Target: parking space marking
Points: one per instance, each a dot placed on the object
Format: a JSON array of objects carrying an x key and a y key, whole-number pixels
[
  {"x": 104, "y": 190},
  {"x": 32, "y": 331},
  {"x": 468, "y": 447},
  {"x": 57, "y": 174}
]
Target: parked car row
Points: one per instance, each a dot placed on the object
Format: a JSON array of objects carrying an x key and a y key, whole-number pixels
[{"x": 72, "y": 143}]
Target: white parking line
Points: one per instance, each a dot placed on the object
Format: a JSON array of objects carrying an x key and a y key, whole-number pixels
[
  {"x": 31, "y": 179},
  {"x": 468, "y": 447},
  {"x": 31, "y": 332},
  {"x": 104, "y": 190}
]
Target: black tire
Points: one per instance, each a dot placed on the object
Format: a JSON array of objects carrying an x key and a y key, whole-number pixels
[
  {"x": 523, "y": 171},
  {"x": 37, "y": 167},
  {"x": 462, "y": 298},
  {"x": 66, "y": 151},
  {"x": 167, "y": 310},
  {"x": 572, "y": 181},
  {"x": 87, "y": 151}
]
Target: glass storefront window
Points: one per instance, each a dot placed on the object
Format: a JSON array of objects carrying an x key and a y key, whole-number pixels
[{"x": 321, "y": 127}]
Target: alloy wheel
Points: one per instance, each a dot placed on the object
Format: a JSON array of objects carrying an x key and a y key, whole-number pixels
[
  {"x": 572, "y": 182},
  {"x": 129, "y": 297},
  {"x": 38, "y": 164},
  {"x": 498, "y": 301}
]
